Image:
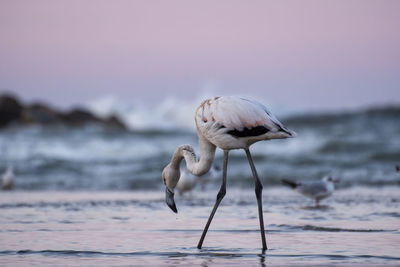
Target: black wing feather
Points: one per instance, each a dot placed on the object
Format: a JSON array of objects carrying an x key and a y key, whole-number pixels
[{"x": 246, "y": 132}]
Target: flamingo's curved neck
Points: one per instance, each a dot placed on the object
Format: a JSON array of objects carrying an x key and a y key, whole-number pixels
[{"x": 196, "y": 167}]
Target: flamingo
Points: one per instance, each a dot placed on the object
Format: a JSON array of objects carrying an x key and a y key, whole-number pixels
[
  {"x": 227, "y": 122},
  {"x": 316, "y": 190}
]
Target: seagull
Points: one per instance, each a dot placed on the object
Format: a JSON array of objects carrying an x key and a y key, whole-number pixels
[
  {"x": 7, "y": 179},
  {"x": 188, "y": 181},
  {"x": 226, "y": 122},
  {"x": 316, "y": 190},
  {"x": 213, "y": 174}
]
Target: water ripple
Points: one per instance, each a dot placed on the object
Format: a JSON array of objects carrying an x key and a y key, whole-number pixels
[
  {"x": 199, "y": 253},
  {"x": 331, "y": 229}
]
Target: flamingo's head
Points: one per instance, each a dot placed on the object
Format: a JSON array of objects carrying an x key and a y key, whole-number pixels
[{"x": 170, "y": 178}]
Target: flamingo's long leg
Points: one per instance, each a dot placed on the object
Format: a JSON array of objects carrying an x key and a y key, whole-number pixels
[
  {"x": 258, "y": 189},
  {"x": 220, "y": 196}
]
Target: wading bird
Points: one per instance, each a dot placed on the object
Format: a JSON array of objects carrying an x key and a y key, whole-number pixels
[
  {"x": 7, "y": 179},
  {"x": 228, "y": 123},
  {"x": 316, "y": 190},
  {"x": 187, "y": 181}
]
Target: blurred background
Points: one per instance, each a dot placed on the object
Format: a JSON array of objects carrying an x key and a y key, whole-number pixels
[{"x": 97, "y": 95}]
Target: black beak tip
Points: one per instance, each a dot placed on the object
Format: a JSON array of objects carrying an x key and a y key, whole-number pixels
[
  {"x": 169, "y": 199},
  {"x": 173, "y": 208}
]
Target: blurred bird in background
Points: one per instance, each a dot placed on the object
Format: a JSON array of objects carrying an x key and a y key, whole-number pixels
[
  {"x": 316, "y": 190},
  {"x": 188, "y": 181},
  {"x": 7, "y": 179}
]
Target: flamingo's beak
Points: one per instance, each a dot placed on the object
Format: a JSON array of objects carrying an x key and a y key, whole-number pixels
[{"x": 169, "y": 199}]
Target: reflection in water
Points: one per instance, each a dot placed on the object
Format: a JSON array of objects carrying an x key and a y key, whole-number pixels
[{"x": 358, "y": 226}]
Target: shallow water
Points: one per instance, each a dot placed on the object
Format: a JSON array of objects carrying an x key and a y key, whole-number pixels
[
  {"x": 356, "y": 226},
  {"x": 70, "y": 205}
]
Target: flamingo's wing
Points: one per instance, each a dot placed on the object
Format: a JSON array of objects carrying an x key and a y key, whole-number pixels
[{"x": 237, "y": 113}]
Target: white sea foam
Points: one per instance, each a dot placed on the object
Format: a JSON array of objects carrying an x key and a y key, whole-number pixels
[
  {"x": 359, "y": 148},
  {"x": 306, "y": 142},
  {"x": 81, "y": 147},
  {"x": 169, "y": 115}
]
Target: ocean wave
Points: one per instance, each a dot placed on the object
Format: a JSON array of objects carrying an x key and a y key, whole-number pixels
[
  {"x": 174, "y": 113},
  {"x": 359, "y": 147}
]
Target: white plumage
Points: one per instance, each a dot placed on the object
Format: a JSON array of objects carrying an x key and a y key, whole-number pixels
[
  {"x": 316, "y": 190},
  {"x": 228, "y": 123},
  {"x": 187, "y": 182},
  {"x": 7, "y": 179},
  {"x": 220, "y": 115}
]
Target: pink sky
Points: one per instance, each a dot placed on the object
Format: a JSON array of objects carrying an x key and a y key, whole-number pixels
[{"x": 317, "y": 54}]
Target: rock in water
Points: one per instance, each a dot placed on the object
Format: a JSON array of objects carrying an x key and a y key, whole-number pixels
[
  {"x": 39, "y": 113},
  {"x": 10, "y": 110}
]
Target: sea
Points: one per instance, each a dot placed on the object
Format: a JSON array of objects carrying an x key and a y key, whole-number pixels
[{"x": 93, "y": 196}]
